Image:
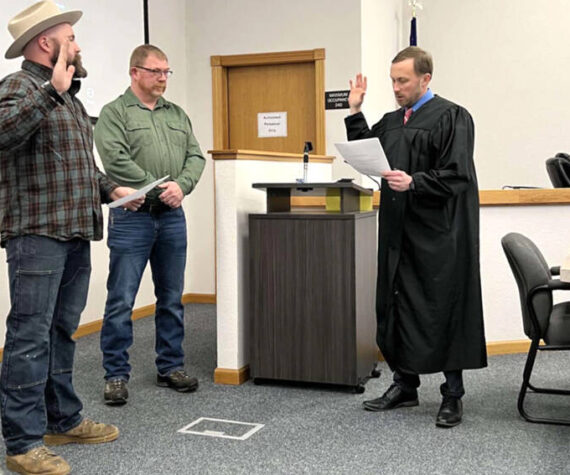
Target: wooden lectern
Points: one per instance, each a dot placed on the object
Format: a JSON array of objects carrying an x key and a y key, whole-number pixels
[
  {"x": 312, "y": 286},
  {"x": 343, "y": 196}
]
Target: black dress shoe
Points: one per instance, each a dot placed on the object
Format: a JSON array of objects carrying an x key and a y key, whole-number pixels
[
  {"x": 392, "y": 399},
  {"x": 450, "y": 412}
]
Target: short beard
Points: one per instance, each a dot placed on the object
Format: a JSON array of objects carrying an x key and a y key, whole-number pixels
[{"x": 80, "y": 71}]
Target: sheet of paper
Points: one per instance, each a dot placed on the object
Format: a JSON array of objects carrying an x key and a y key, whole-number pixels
[
  {"x": 365, "y": 156},
  {"x": 137, "y": 194}
]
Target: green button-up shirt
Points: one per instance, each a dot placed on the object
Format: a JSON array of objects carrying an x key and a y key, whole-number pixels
[{"x": 138, "y": 145}]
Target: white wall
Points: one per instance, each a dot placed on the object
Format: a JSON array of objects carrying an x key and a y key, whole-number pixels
[
  {"x": 380, "y": 41},
  {"x": 226, "y": 27},
  {"x": 501, "y": 304},
  {"x": 508, "y": 62}
]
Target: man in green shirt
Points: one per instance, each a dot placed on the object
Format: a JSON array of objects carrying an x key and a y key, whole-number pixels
[{"x": 142, "y": 137}]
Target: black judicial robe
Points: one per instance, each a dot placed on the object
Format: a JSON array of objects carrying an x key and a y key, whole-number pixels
[{"x": 428, "y": 299}]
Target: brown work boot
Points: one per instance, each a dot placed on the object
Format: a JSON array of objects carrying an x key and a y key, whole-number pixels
[
  {"x": 178, "y": 380},
  {"x": 39, "y": 460},
  {"x": 116, "y": 392},
  {"x": 88, "y": 432}
]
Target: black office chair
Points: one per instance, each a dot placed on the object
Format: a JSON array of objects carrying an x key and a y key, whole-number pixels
[
  {"x": 541, "y": 319},
  {"x": 558, "y": 168}
]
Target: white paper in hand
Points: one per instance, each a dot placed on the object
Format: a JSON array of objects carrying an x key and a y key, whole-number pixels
[
  {"x": 365, "y": 156},
  {"x": 137, "y": 194}
]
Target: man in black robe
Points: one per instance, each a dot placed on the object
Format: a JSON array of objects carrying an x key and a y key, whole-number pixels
[{"x": 428, "y": 299}]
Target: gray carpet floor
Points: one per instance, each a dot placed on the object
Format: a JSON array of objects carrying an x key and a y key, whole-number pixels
[{"x": 315, "y": 430}]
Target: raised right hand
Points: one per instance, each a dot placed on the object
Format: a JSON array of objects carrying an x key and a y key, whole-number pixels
[
  {"x": 62, "y": 73},
  {"x": 357, "y": 92}
]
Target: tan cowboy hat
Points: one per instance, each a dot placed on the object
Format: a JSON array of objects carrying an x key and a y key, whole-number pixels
[{"x": 35, "y": 19}]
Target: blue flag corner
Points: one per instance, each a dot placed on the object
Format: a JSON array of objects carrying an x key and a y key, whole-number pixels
[{"x": 413, "y": 33}]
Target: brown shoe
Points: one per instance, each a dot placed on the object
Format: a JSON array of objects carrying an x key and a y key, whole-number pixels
[
  {"x": 116, "y": 392},
  {"x": 88, "y": 432},
  {"x": 178, "y": 380},
  {"x": 39, "y": 460}
]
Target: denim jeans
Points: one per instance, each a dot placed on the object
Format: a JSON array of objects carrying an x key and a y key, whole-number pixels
[
  {"x": 136, "y": 238},
  {"x": 49, "y": 280}
]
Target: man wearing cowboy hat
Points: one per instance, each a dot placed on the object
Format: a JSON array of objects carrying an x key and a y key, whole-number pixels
[{"x": 50, "y": 209}]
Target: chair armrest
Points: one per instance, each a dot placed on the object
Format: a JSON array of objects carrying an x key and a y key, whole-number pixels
[
  {"x": 555, "y": 270},
  {"x": 556, "y": 284}
]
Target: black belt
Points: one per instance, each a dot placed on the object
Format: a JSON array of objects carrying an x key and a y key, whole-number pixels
[{"x": 154, "y": 208}]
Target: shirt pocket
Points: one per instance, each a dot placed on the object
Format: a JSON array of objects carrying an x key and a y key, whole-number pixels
[
  {"x": 139, "y": 134},
  {"x": 177, "y": 134}
]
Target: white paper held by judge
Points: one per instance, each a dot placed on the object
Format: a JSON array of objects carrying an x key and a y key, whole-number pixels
[{"x": 366, "y": 156}]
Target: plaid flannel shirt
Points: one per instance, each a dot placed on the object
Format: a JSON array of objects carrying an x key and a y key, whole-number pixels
[{"x": 49, "y": 182}]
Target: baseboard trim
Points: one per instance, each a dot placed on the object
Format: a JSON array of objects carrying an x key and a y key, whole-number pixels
[
  {"x": 141, "y": 312},
  {"x": 198, "y": 298},
  {"x": 240, "y": 376},
  {"x": 88, "y": 329},
  {"x": 231, "y": 376},
  {"x": 507, "y": 347}
]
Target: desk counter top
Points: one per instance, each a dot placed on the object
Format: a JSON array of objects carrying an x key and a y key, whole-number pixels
[{"x": 545, "y": 196}]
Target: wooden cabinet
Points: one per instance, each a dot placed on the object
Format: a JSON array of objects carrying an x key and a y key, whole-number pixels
[{"x": 312, "y": 281}]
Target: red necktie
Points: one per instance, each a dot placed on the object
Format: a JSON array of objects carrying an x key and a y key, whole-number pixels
[{"x": 407, "y": 114}]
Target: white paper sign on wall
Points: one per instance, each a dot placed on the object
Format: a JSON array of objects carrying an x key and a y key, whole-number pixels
[{"x": 272, "y": 124}]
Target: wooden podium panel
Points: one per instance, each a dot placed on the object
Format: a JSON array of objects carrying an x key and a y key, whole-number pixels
[{"x": 312, "y": 296}]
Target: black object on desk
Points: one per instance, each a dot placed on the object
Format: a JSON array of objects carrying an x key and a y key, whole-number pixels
[{"x": 312, "y": 291}]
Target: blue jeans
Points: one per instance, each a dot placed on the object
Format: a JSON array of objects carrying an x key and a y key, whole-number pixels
[
  {"x": 136, "y": 238},
  {"x": 49, "y": 280}
]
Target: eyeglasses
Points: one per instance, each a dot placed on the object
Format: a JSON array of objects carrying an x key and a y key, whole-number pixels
[{"x": 157, "y": 72}]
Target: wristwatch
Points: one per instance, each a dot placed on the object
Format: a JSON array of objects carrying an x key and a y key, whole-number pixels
[
  {"x": 412, "y": 185},
  {"x": 48, "y": 87}
]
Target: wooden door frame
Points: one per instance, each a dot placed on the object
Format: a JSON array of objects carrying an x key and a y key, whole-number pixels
[{"x": 220, "y": 66}]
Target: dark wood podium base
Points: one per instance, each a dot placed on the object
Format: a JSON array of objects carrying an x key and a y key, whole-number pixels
[
  {"x": 358, "y": 389},
  {"x": 312, "y": 280}
]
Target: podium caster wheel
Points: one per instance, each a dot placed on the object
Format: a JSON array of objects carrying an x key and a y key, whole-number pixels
[
  {"x": 359, "y": 389},
  {"x": 375, "y": 373}
]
